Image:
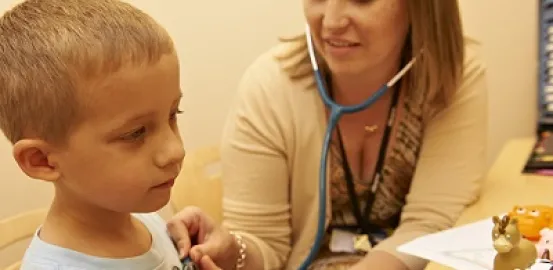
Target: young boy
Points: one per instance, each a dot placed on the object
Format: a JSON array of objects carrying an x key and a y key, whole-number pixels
[{"x": 89, "y": 92}]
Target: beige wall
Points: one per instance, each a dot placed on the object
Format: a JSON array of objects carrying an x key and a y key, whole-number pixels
[{"x": 217, "y": 40}]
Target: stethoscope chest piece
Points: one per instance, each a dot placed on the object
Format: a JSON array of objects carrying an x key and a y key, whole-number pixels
[{"x": 190, "y": 266}]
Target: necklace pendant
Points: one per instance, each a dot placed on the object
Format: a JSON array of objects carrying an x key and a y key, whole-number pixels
[{"x": 371, "y": 128}]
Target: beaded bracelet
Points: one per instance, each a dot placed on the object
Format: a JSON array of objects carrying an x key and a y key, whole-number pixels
[{"x": 241, "y": 261}]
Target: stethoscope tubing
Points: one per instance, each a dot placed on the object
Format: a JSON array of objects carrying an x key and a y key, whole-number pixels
[{"x": 336, "y": 111}]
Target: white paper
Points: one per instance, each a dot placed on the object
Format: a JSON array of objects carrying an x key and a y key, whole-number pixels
[{"x": 468, "y": 247}]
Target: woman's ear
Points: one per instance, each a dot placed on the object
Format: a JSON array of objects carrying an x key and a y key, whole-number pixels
[{"x": 35, "y": 159}]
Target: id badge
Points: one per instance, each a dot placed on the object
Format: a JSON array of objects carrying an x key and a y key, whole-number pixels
[{"x": 342, "y": 241}]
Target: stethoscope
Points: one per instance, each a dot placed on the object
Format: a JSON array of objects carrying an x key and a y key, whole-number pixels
[{"x": 336, "y": 111}]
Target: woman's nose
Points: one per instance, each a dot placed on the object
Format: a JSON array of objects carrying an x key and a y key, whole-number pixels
[{"x": 334, "y": 17}]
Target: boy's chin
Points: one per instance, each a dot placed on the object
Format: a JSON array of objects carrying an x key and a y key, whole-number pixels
[{"x": 152, "y": 205}]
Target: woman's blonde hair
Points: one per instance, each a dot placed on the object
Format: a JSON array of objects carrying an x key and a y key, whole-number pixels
[{"x": 436, "y": 38}]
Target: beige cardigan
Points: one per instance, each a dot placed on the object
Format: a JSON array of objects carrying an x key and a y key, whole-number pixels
[{"x": 271, "y": 149}]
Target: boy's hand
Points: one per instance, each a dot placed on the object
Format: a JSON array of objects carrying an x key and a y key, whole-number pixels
[{"x": 197, "y": 236}]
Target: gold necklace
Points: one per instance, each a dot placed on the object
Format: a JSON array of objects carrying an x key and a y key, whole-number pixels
[{"x": 371, "y": 128}]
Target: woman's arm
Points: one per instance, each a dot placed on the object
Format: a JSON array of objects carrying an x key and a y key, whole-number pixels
[
  {"x": 256, "y": 201},
  {"x": 380, "y": 260},
  {"x": 449, "y": 172}
]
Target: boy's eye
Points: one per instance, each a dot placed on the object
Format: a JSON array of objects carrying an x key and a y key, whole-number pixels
[
  {"x": 135, "y": 135},
  {"x": 175, "y": 113}
]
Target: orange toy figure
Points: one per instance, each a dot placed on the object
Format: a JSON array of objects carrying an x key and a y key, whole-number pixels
[{"x": 532, "y": 219}]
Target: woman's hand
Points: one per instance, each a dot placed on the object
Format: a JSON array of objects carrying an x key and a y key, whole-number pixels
[
  {"x": 381, "y": 260},
  {"x": 197, "y": 236},
  {"x": 207, "y": 264}
]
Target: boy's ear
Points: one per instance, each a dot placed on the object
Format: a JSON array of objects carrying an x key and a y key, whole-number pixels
[{"x": 34, "y": 158}]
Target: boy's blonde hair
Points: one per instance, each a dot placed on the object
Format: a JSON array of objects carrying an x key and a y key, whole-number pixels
[
  {"x": 51, "y": 50},
  {"x": 436, "y": 28}
]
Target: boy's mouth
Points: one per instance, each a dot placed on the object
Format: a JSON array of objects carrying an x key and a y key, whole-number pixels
[{"x": 167, "y": 184}]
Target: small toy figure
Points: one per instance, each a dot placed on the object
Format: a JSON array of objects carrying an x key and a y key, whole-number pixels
[
  {"x": 532, "y": 219},
  {"x": 513, "y": 251},
  {"x": 545, "y": 245}
]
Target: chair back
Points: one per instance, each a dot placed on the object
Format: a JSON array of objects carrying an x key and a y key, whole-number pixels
[
  {"x": 18, "y": 227},
  {"x": 199, "y": 183}
]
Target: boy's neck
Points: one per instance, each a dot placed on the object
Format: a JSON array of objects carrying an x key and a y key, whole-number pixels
[
  {"x": 79, "y": 215},
  {"x": 94, "y": 231}
]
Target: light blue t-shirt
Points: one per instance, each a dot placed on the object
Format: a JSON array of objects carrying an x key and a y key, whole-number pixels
[{"x": 162, "y": 255}]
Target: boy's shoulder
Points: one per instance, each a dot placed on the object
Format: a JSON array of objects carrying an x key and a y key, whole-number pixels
[{"x": 162, "y": 255}]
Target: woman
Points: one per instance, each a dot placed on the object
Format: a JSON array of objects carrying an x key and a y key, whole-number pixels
[{"x": 430, "y": 167}]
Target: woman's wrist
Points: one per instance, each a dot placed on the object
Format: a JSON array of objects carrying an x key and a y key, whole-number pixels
[
  {"x": 380, "y": 258},
  {"x": 241, "y": 251}
]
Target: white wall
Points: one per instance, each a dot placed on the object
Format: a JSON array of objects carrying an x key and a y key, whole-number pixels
[
  {"x": 217, "y": 40},
  {"x": 509, "y": 32}
]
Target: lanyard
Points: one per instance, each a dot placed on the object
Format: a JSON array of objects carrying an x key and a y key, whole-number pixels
[{"x": 362, "y": 217}]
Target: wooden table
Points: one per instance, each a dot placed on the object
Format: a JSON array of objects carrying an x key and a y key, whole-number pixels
[{"x": 505, "y": 186}]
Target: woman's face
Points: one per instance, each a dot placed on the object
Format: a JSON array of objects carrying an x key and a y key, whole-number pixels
[{"x": 356, "y": 36}]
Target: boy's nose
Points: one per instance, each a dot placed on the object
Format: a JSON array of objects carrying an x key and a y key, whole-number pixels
[{"x": 172, "y": 152}]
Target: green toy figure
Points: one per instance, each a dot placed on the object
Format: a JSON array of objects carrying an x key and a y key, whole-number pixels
[{"x": 513, "y": 251}]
